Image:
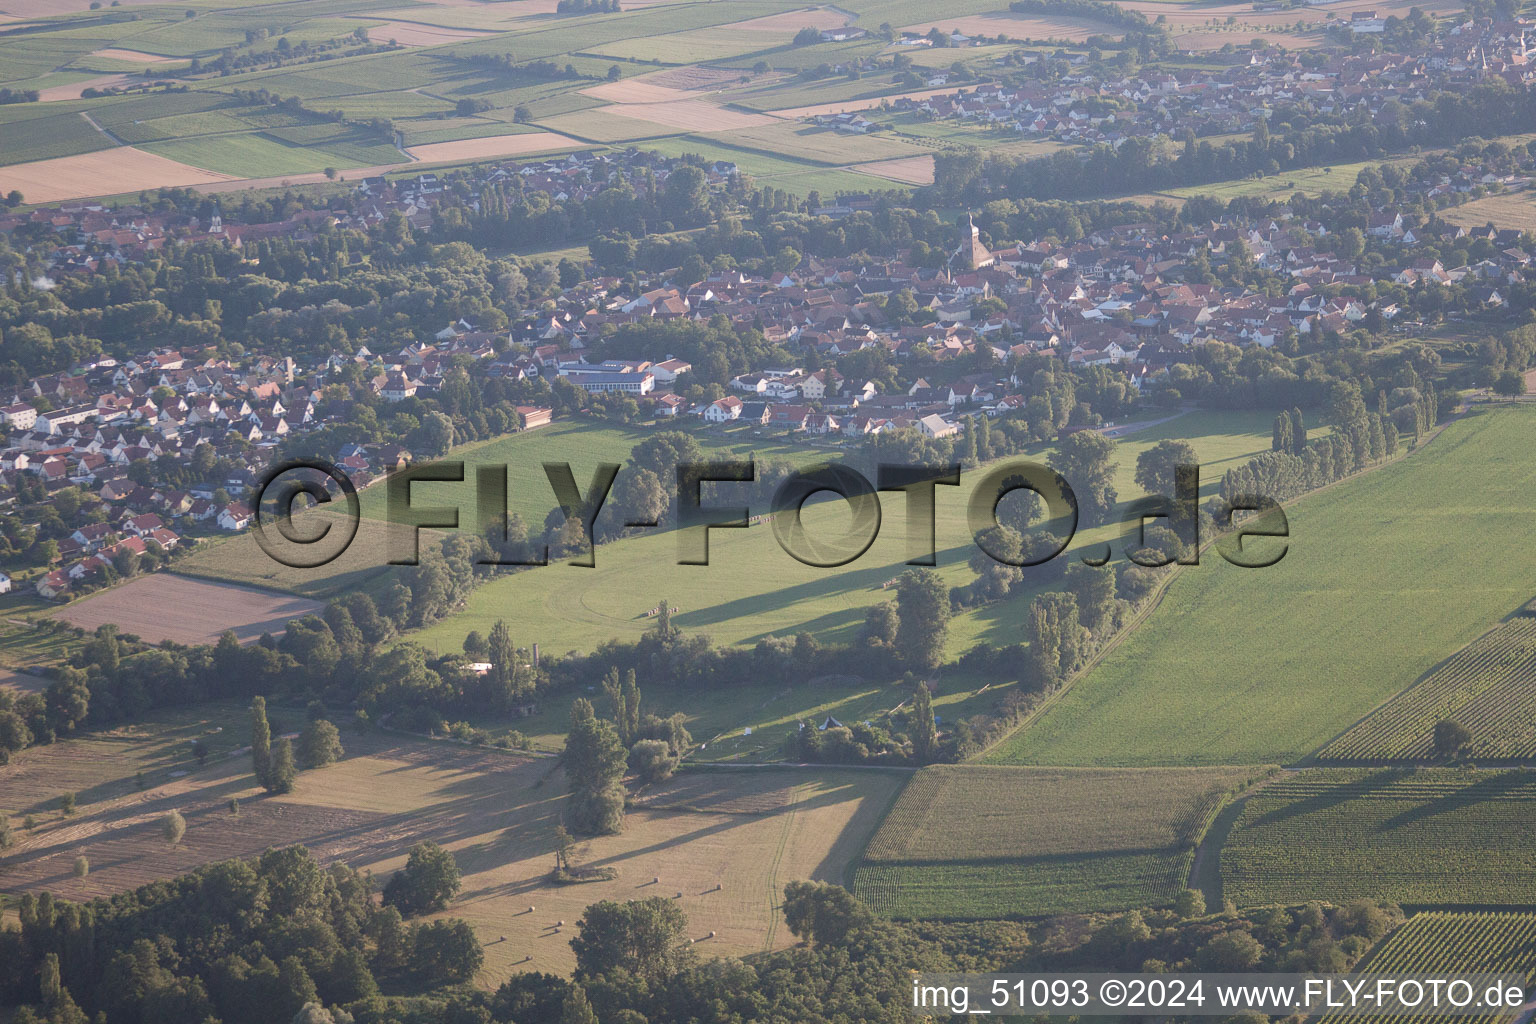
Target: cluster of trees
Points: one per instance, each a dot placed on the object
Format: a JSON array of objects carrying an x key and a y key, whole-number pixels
[
  {"x": 1290, "y": 138},
  {"x": 232, "y": 60},
  {"x": 18, "y": 96},
  {"x": 239, "y": 942},
  {"x": 1297, "y": 465},
  {"x": 599, "y": 752}
]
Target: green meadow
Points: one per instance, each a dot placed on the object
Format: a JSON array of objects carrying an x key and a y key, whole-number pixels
[{"x": 752, "y": 588}]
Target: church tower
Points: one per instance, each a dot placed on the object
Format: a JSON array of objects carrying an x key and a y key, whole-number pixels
[{"x": 972, "y": 253}]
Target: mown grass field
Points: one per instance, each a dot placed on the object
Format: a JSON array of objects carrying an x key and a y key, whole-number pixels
[
  {"x": 1435, "y": 836},
  {"x": 1250, "y": 666},
  {"x": 977, "y": 842},
  {"x": 1432, "y": 943},
  {"x": 722, "y": 844},
  {"x": 1310, "y": 181},
  {"x": 1489, "y": 687}
]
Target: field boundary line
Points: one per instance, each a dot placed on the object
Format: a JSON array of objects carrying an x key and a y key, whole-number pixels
[
  {"x": 1315, "y": 758},
  {"x": 1156, "y": 599}
]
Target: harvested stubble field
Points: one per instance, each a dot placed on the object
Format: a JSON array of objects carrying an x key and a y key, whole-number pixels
[
  {"x": 974, "y": 842},
  {"x": 1489, "y": 687},
  {"x": 1439, "y": 943},
  {"x": 20, "y": 682},
  {"x": 691, "y": 115},
  {"x": 910, "y": 170},
  {"x": 1511, "y": 210},
  {"x": 1340, "y": 834},
  {"x": 133, "y": 56},
  {"x": 491, "y": 147},
  {"x": 121, "y": 169},
  {"x": 408, "y": 33},
  {"x": 741, "y": 838},
  {"x": 163, "y": 606}
]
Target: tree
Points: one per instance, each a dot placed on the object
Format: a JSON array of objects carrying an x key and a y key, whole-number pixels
[
  {"x": 823, "y": 913},
  {"x": 880, "y": 624},
  {"x": 5, "y": 831},
  {"x": 1155, "y": 466},
  {"x": 922, "y": 613},
  {"x": 1280, "y": 436},
  {"x": 173, "y": 826},
  {"x": 644, "y": 937},
  {"x": 1189, "y": 903},
  {"x": 82, "y": 866},
  {"x": 434, "y": 436},
  {"x": 1298, "y": 432},
  {"x": 429, "y": 880},
  {"x": 652, "y": 760},
  {"x": 925, "y": 730},
  {"x": 67, "y": 804},
  {"x": 1094, "y": 589},
  {"x": 1056, "y": 637},
  {"x": 261, "y": 741},
  {"x": 445, "y": 952},
  {"x": 1451, "y": 738},
  {"x": 283, "y": 773},
  {"x": 504, "y": 678},
  {"x": 319, "y": 744},
  {"x": 995, "y": 559},
  {"x": 1510, "y": 384},
  {"x": 575, "y": 1009},
  {"x": 1085, "y": 459},
  {"x": 49, "y": 982},
  {"x": 1229, "y": 953},
  {"x": 594, "y": 763}
]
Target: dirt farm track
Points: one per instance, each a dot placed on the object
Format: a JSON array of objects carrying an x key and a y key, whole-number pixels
[{"x": 164, "y": 606}]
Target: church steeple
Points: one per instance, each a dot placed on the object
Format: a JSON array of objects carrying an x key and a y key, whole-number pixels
[{"x": 972, "y": 252}]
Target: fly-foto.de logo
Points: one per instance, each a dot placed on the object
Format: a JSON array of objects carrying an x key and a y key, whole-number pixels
[{"x": 701, "y": 503}]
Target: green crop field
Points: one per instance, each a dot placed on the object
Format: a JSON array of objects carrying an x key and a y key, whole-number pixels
[
  {"x": 1439, "y": 836},
  {"x": 1489, "y": 687},
  {"x": 823, "y": 145},
  {"x": 1252, "y": 666},
  {"x": 695, "y": 46},
  {"x": 258, "y": 154},
  {"x": 1441, "y": 943},
  {"x": 974, "y": 842},
  {"x": 42, "y": 138}
]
